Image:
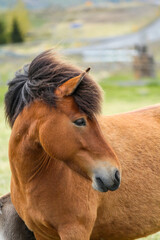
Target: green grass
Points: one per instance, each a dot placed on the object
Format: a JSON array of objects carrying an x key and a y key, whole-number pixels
[
  {"x": 3, "y": 90},
  {"x": 117, "y": 99},
  {"x": 122, "y": 99},
  {"x": 4, "y": 137}
]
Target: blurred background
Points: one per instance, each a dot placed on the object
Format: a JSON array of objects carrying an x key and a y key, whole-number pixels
[{"x": 118, "y": 39}]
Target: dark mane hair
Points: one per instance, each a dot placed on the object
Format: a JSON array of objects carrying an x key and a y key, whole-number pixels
[{"x": 39, "y": 81}]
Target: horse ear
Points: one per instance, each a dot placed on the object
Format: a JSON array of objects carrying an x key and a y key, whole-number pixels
[{"x": 69, "y": 86}]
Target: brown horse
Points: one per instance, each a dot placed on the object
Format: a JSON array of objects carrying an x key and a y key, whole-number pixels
[
  {"x": 57, "y": 153},
  {"x": 134, "y": 210}
]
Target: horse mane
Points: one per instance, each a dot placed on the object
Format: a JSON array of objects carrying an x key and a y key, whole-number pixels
[{"x": 39, "y": 81}]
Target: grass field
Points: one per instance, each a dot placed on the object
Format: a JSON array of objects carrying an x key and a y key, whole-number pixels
[
  {"x": 116, "y": 99},
  {"x": 4, "y": 136}
]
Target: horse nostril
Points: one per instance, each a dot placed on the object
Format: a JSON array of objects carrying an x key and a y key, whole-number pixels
[
  {"x": 117, "y": 177},
  {"x": 99, "y": 181},
  {"x": 101, "y": 184}
]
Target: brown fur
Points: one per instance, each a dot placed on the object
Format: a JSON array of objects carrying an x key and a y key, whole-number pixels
[
  {"x": 55, "y": 163},
  {"x": 134, "y": 210},
  {"x": 38, "y": 179},
  {"x": 52, "y": 155}
]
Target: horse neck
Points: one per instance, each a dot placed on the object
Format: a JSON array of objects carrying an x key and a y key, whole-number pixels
[{"x": 128, "y": 134}]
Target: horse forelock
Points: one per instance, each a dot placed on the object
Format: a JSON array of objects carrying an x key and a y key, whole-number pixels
[{"x": 39, "y": 81}]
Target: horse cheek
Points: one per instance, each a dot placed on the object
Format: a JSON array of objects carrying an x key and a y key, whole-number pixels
[{"x": 57, "y": 140}]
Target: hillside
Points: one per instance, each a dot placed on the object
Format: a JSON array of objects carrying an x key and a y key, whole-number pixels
[{"x": 41, "y": 4}]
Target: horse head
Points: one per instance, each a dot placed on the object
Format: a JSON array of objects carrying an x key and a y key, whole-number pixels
[{"x": 66, "y": 128}]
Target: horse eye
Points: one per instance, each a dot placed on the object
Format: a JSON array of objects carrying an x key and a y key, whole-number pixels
[{"x": 80, "y": 122}]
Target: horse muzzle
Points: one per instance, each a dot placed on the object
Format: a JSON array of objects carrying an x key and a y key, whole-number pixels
[{"x": 104, "y": 180}]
